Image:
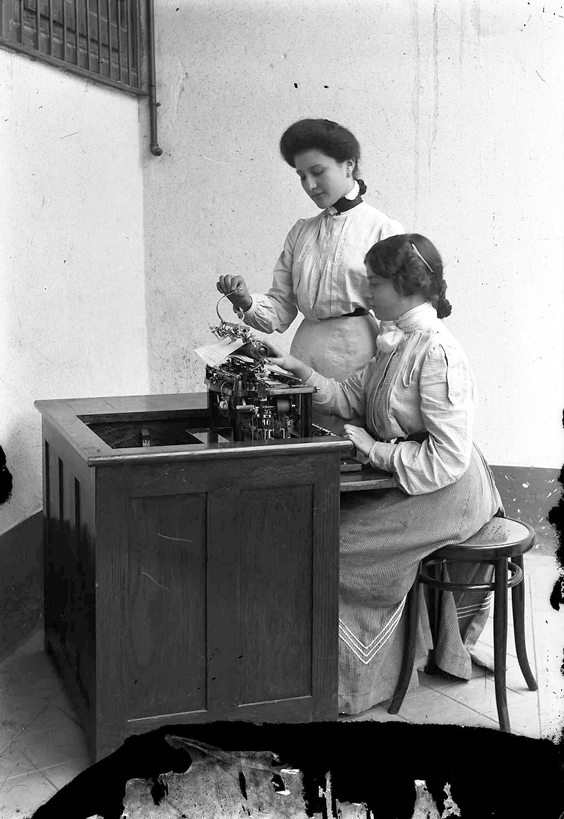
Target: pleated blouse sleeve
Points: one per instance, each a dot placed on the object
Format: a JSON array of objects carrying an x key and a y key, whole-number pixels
[
  {"x": 447, "y": 395},
  {"x": 276, "y": 309},
  {"x": 343, "y": 398}
]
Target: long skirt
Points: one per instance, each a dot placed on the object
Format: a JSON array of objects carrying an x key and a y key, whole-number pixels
[
  {"x": 337, "y": 348},
  {"x": 383, "y": 538}
]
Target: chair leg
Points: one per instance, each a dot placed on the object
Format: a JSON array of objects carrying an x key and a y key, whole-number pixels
[
  {"x": 500, "y": 642},
  {"x": 518, "y": 606},
  {"x": 408, "y": 658},
  {"x": 435, "y": 599}
]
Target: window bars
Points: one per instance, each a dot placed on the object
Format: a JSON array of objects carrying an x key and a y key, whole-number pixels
[
  {"x": 110, "y": 41},
  {"x": 100, "y": 39}
]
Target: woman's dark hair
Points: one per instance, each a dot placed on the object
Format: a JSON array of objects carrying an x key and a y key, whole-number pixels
[
  {"x": 322, "y": 135},
  {"x": 414, "y": 265}
]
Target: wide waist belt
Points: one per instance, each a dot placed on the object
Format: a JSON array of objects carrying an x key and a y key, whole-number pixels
[
  {"x": 415, "y": 436},
  {"x": 360, "y": 311}
]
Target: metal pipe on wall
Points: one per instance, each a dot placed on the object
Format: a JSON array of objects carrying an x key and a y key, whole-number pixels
[{"x": 153, "y": 104}]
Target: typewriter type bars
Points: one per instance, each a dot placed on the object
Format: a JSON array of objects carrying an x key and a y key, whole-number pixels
[{"x": 250, "y": 402}]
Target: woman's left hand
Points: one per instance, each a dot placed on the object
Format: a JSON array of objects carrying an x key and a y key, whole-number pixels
[
  {"x": 359, "y": 438},
  {"x": 286, "y": 361}
]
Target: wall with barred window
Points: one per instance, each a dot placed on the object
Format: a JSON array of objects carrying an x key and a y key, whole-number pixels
[
  {"x": 72, "y": 295},
  {"x": 458, "y": 107}
]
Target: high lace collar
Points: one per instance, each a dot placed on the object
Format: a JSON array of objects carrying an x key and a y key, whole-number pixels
[{"x": 393, "y": 332}]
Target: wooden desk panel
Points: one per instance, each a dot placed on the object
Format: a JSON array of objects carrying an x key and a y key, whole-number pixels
[{"x": 191, "y": 585}]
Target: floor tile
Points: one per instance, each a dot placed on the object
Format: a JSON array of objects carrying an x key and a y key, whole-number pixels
[
  {"x": 8, "y": 731},
  {"x": 52, "y": 718},
  {"x": 33, "y": 644},
  {"x": 18, "y": 710},
  {"x": 432, "y": 706},
  {"x": 21, "y": 796},
  {"x": 486, "y": 635},
  {"x": 486, "y": 642},
  {"x": 523, "y": 717},
  {"x": 14, "y": 763},
  {"x": 378, "y": 714},
  {"x": 28, "y": 671},
  {"x": 435, "y": 682},
  {"x": 61, "y": 775},
  {"x": 480, "y": 695},
  {"x": 551, "y": 697},
  {"x": 480, "y": 670},
  {"x": 551, "y": 693},
  {"x": 481, "y": 721},
  {"x": 549, "y": 640},
  {"x": 63, "y": 701},
  {"x": 43, "y": 683},
  {"x": 441, "y": 680},
  {"x": 54, "y": 747}
]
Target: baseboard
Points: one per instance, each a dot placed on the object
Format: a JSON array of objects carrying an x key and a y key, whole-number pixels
[
  {"x": 529, "y": 493},
  {"x": 21, "y": 582}
]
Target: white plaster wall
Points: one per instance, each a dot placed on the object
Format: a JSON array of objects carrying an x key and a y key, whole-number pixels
[
  {"x": 72, "y": 295},
  {"x": 458, "y": 105}
]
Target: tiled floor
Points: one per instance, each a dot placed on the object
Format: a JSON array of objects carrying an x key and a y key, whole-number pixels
[{"x": 42, "y": 746}]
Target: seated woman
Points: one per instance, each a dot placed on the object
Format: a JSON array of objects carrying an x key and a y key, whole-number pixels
[{"x": 418, "y": 396}]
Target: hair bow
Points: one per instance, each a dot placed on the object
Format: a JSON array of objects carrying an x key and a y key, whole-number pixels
[{"x": 389, "y": 337}]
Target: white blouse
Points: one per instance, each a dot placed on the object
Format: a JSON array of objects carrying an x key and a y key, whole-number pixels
[
  {"x": 424, "y": 384},
  {"x": 321, "y": 271}
]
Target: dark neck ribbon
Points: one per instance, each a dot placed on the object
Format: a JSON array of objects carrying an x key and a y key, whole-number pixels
[{"x": 343, "y": 204}]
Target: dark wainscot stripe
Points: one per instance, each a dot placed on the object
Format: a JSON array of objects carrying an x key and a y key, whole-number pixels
[
  {"x": 21, "y": 585},
  {"x": 528, "y": 494}
]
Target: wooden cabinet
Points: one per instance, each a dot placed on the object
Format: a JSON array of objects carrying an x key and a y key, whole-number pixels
[{"x": 188, "y": 582}]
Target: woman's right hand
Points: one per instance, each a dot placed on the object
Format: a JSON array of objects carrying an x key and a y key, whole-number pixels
[
  {"x": 235, "y": 288},
  {"x": 276, "y": 355}
]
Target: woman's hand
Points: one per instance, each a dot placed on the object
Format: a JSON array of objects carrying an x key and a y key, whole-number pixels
[
  {"x": 286, "y": 361},
  {"x": 359, "y": 438},
  {"x": 236, "y": 290}
]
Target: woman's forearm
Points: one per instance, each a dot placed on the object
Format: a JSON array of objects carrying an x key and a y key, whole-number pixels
[{"x": 295, "y": 366}]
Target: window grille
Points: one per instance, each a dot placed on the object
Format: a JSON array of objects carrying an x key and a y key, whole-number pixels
[{"x": 100, "y": 39}]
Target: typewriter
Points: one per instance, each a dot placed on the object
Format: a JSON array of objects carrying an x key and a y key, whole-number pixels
[{"x": 250, "y": 400}]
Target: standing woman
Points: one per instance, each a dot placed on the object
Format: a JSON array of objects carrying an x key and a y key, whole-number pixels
[{"x": 320, "y": 271}]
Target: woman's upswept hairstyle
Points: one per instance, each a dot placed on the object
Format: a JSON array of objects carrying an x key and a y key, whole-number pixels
[
  {"x": 319, "y": 135},
  {"x": 414, "y": 265}
]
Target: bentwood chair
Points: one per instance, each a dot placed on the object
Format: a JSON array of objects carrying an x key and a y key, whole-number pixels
[{"x": 502, "y": 542}]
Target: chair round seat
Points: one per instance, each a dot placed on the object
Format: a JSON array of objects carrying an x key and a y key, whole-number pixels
[{"x": 500, "y": 537}]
